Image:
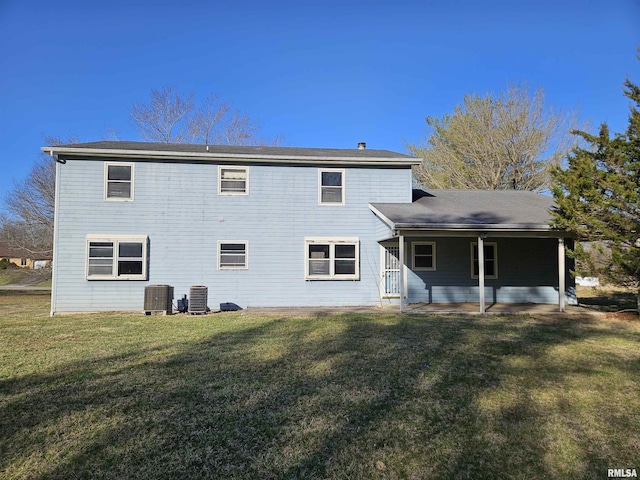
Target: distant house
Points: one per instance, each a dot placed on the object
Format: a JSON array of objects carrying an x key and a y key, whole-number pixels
[
  {"x": 274, "y": 226},
  {"x": 24, "y": 258}
]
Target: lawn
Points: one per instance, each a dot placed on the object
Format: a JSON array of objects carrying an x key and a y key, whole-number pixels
[{"x": 120, "y": 396}]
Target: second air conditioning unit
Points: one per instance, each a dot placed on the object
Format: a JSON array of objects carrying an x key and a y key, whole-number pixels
[{"x": 198, "y": 295}]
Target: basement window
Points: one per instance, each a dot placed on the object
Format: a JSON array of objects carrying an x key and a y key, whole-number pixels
[{"x": 116, "y": 258}]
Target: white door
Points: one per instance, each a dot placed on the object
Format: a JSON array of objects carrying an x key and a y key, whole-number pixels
[{"x": 390, "y": 271}]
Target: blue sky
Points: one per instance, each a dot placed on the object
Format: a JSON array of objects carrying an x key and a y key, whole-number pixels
[{"x": 321, "y": 73}]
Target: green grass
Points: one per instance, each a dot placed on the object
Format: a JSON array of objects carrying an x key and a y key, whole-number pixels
[
  {"x": 116, "y": 396},
  {"x": 25, "y": 276}
]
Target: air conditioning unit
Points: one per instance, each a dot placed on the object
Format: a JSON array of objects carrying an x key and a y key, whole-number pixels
[
  {"x": 158, "y": 298},
  {"x": 198, "y": 299}
]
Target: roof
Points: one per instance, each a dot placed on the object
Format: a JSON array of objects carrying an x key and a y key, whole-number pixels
[
  {"x": 469, "y": 210},
  {"x": 193, "y": 152}
]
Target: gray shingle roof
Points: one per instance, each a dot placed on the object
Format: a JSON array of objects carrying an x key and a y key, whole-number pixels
[
  {"x": 202, "y": 152},
  {"x": 471, "y": 209}
]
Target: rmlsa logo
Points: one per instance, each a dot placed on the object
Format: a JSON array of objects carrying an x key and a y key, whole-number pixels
[{"x": 622, "y": 473}]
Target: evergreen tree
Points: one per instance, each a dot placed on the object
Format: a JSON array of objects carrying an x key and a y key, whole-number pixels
[{"x": 598, "y": 195}]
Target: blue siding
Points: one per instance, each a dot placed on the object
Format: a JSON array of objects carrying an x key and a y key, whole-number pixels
[
  {"x": 527, "y": 273},
  {"x": 177, "y": 206}
]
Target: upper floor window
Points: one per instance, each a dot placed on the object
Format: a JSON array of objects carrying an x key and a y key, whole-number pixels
[
  {"x": 331, "y": 186},
  {"x": 490, "y": 260},
  {"x": 116, "y": 257},
  {"x": 233, "y": 180},
  {"x": 118, "y": 181}
]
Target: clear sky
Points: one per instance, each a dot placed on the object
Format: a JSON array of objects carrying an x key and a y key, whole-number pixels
[{"x": 322, "y": 73}]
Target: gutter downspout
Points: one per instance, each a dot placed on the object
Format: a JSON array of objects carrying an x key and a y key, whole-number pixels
[
  {"x": 481, "y": 271},
  {"x": 402, "y": 283},
  {"x": 561, "y": 274},
  {"x": 54, "y": 275}
]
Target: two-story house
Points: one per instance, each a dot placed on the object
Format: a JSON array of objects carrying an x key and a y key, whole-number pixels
[{"x": 275, "y": 226}]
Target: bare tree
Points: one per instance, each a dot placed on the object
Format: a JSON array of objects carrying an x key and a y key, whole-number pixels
[
  {"x": 164, "y": 118},
  {"x": 31, "y": 206},
  {"x": 171, "y": 117},
  {"x": 506, "y": 141},
  {"x": 207, "y": 118}
]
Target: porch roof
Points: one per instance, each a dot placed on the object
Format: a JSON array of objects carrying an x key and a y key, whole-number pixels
[{"x": 477, "y": 210}]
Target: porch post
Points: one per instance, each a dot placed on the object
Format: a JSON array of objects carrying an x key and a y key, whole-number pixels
[
  {"x": 561, "y": 270},
  {"x": 402, "y": 285},
  {"x": 481, "y": 270}
]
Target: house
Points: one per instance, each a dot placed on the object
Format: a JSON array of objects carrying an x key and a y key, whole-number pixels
[
  {"x": 24, "y": 258},
  {"x": 275, "y": 226}
]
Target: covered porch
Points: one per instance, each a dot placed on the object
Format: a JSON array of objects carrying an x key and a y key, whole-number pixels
[{"x": 482, "y": 251}]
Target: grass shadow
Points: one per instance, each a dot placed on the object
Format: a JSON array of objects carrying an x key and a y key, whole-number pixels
[{"x": 349, "y": 396}]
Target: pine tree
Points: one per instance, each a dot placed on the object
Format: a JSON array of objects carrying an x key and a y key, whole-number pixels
[{"x": 597, "y": 197}]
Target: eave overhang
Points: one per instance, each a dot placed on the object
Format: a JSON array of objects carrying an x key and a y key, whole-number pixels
[
  {"x": 67, "y": 153},
  {"x": 471, "y": 229}
]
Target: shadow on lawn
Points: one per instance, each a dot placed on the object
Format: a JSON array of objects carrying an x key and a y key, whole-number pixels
[{"x": 345, "y": 397}]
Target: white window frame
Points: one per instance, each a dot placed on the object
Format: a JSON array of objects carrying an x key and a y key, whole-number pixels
[
  {"x": 332, "y": 242},
  {"x": 106, "y": 181},
  {"x": 116, "y": 240},
  {"x": 246, "y": 255},
  {"x": 433, "y": 257},
  {"x": 233, "y": 167},
  {"x": 320, "y": 187},
  {"x": 495, "y": 260}
]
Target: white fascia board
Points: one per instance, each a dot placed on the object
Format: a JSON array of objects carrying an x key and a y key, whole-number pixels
[
  {"x": 474, "y": 232},
  {"x": 382, "y": 217},
  {"x": 475, "y": 227},
  {"x": 209, "y": 156}
]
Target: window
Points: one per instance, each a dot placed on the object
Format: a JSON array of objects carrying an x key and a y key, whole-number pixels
[
  {"x": 490, "y": 260},
  {"x": 233, "y": 180},
  {"x": 424, "y": 256},
  {"x": 116, "y": 257},
  {"x": 232, "y": 255},
  {"x": 331, "y": 187},
  {"x": 118, "y": 184},
  {"x": 332, "y": 259},
  {"x": 23, "y": 262}
]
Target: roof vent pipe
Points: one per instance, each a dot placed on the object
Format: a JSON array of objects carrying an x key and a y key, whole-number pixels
[{"x": 362, "y": 145}]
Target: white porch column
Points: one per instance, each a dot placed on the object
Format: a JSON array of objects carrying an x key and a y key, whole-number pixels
[
  {"x": 481, "y": 271},
  {"x": 561, "y": 270},
  {"x": 401, "y": 259}
]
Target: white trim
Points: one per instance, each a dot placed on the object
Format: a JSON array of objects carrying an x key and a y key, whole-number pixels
[
  {"x": 233, "y": 167},
  {"x": 383, "y": 259},
  {"x": 495, "y": 260},
  {"x": 332, "y": 242},
  {"x": 116, "y": 240},
  {"x": 106, "y": 181},
  {"x": 342, "y": 186},
  {"x": 403, "y": 280},
  {"x": 242, "y": 157},
  {"x": 54, "y": 256},
  {"x": 561, "y": 274},
  {"x": 246, "y": 255},
  {"x": 413, "y": 257}
]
